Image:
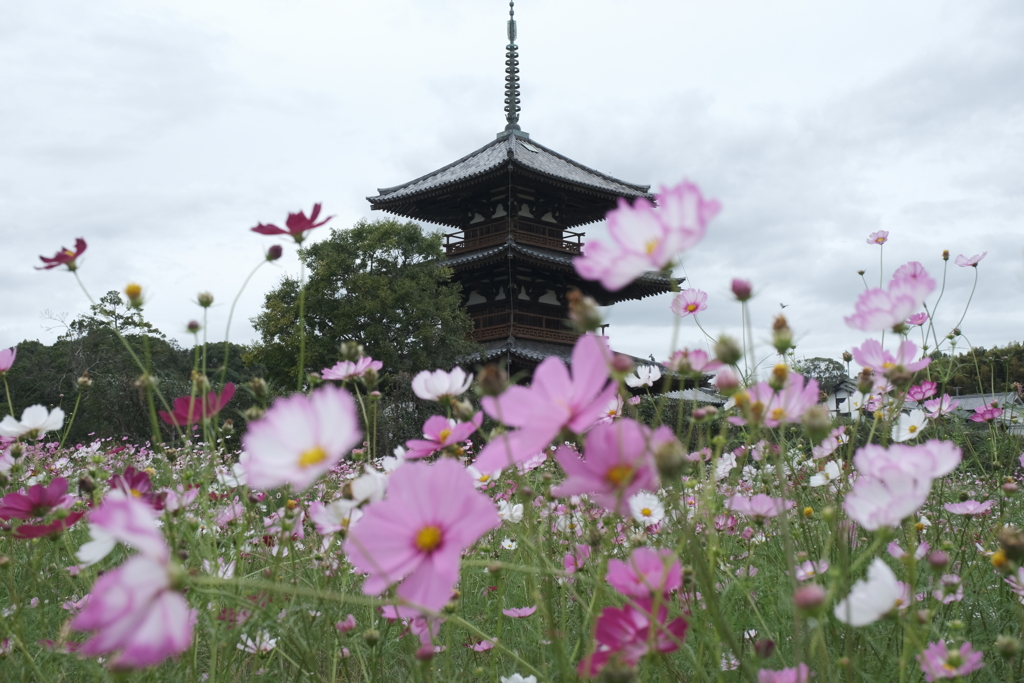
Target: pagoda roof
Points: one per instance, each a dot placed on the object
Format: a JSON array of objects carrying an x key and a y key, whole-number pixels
[
  {"x": 510, "y": 148},
  {"x": 648, "y": 284}
]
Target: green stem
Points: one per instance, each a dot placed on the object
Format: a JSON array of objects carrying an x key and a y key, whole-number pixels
[
  {"x": 10, "y": 404},
  {"x": 301, "y": 371},
  {"x": 71, "y": 421},
  {"x": 231, "y": 314}
]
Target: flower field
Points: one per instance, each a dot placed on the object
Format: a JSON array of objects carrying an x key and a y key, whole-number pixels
[{"x": 581, "y": 526}]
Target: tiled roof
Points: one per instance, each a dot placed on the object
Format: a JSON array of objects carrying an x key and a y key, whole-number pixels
[
  {"x": 520, "y": 149},
  {"x": 698, "y": 395}
]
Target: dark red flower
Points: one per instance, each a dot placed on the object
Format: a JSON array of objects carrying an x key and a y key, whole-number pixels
[
  {"x": 26, "y": 531},
  {"x": 64, "y": 257},
  {"x": 136, "y": 483},
  {"x": 188, "y": 410},
  {"x": 297, "y": 224},
  {"x": 39, "y": 500}
]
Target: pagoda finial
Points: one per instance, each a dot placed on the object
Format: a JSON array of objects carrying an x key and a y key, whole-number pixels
[{"x": 512, "y": 72}]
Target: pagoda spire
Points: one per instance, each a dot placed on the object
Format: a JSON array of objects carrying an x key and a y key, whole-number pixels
[{"x": 512, "y": 73}]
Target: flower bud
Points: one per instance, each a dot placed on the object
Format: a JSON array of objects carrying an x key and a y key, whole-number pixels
[
  {"x": 861, "y": 273},
  {"x": 492, "y": 380},
  {"x": 923, "y": 616},
  {"x": 726, "y": 382},
  {"x": 809, "y": 597},
  {"x": 622, "y": 365},
  {"x": 670, "y": 459},
  {"x": 866, "y": 381},
  {"x": 463, "y": 410},
  {"x": 847, "y": 356},
  {"x": 370, "y": 378},
  {"x": 1009, "y": 488},
  {"x": 134, "y": 293},
  {"x": 228, "y": 428},
  {"x": 1011, "y": 541},
  {"x": 371, "y": 636},
  {"x": 617, "y": 671},
  {"x": 817, "y": 423},
  {"x": 254, "y": 413},
  {"x": 704, "y": 413},
  {"x": 1007, "y": 646},
  {"x": 274, "y": 252},
  {"x": 782, "y": 336},
  {"x": 205, "y": 299},
  {"x": 945, "y": 254},
  {"x": 741, "y": 289},
  {"x": 939, "y": 560},
  {"x": 764, "y": 648},
  {"x": 777, "y": 379},
  {"x": 727, "y": 350},
  {"x": 258, "y": 386},
  {"x": 84, "y": 382},
  {"x": 193, "y": 326},
  {"x": 146, "y": 381},
  {"x": 583, "y": 311},
  {"x": 351, "y": 350},
  {"x": 86, "y": 484},
  {"x": 425, "y": 653},
  {"x": 201, "y": 382}
]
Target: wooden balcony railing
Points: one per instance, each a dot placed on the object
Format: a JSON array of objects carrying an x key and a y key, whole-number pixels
[
  {"x": 524, "y": 232},
  {"x": 526, "y": 325}
]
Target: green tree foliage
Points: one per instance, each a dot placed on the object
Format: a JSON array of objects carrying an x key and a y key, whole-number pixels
[
  {"x": 381, "y": 284},
  {"x": 979, "y": 370},
  {"x": 829, "y": 373}
]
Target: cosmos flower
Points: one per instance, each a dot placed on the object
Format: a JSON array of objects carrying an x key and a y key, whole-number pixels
[
  {"x": 986, "y": 413},
  {"x": 300, "y": 438},
  {"x": 759, "y": 507},
  {"x": 872, "y": 598},
  {"x": 7, "y": 357},
  {"x": 969, "y": 507},
  {"x": 617, "y": 462},
  {"x": 189, "y": 410},
  {"x": 626, "y": 632},
  {"x": 871, "y": 355},
  {"x": 881, "y": 309},
  {"x": 297, "y": 225},
  {"x": 64, "y": 257},
  {"x": 646, "y": 573},
  {"x": 646, "y": 508},
  {"x": 644, "y": 238},
  {"x": 416, "y": 535},
  {"x": 346, "y": 370},
  {"x": 973, "y": 261},
  {"x": 510, "y": 512},
  {"x": 39, "y": 501},
  {"x": 692, "y": 362},
  {"x": 788, "y": 405},
  {"x": 937, "y": 661},
  {"x": 519, "y": 612},
  {"x": 879, "y": 237},
  {"x": 920, "y": 392},
  {"x": 827, "y": 475},
  {"x": 122, "y": 518},
  {"x": 809, "y": 570},
  {"x": 909, "y": 426},
  {"x": 646, "y": 376},
  {"x": 440, "y": 385},
  {"x": 441, "y": 433},
  {"x": 612, "y": 411},
  {"x": 35, "y": 421},
  {"x": 798, "y": 674},
  {"x": 938, "y": 407},
  {"x": 918, "y": 319},
  {"x": 689, "y": 302}
]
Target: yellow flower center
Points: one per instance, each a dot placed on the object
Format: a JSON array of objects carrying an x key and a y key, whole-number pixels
[
  {"x": 651, "y": 246},
  {"x": 133, "y": 291},
  {"x": 135, "y": 493},
  {"x": 646, "y": 512},
  {"x": 912, "y": 428},
  {"x": 888, "y": 365},
  {"x": 312, "y": 457},
  {"x": 428, "y": 538},
  {"x": 620, "y": 475},
  {"x": 68, "y": 252},
  {"x": 809, "y": 511},
  {"x": 444, "y": 434},
  {"x": 998, "y": 558},
  {"x": 484, "y": 477},
  {"x": 691, "y": 307},
  {"x": 919, "y": 526},
  {"x": 778, "y": 413}
]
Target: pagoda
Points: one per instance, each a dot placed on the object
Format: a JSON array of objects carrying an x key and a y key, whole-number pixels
[{"x": 516, "y": 208}]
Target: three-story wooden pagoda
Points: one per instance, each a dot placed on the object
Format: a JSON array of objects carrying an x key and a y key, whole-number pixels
[{"x": 516, "y": 207}]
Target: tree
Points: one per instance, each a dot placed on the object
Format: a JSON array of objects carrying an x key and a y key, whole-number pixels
[
  {"x": 112, "y": 312},
  {"x": 830, "y": 373},
  {"x": 382, "y": 284}
]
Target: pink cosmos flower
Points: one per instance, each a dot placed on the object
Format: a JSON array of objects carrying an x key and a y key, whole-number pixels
[
  {"x": 626, "y": 632},
  {"x": 122, "y": 519},
  {"x": 912, "y": 278},
  {"x": 439, "y": 433},
  {"x": 918, "y": 319},
  {"x": 646, "y": 573},
  {"x": 300, "y": 438},
  {"x": 760, "y": 507},
  {"x": 936, "y": 661},
  {"x": 938, "y": 407},
  {"x": 644, "y": 238},
  {"x": 348, "y": 624},
  {"x": 788, "y": 405},
  {"x": 692, "y": 362},
  {"x": 881, "y": 309},
  {"x": 189, "y": 410},
  {"x": 574, "y": 561},
  {"x": 440, "y": 385},
  {"x": 899, "y": 553},
  {"x": 969, "y": 507},
  {"x": 417, "y": 534},
  {"x": 64, "y": 257},
  {"x": 879, "y": 237},
  {"x": 38, "y": 502},
  {"x": 297, "y": 223},
  {"x": 346, "y": 370},
  {"x": 798, "y": 674},
  {"x": 556, "y": 400},
  {"x": 137, "y": 483},
  {"x": 871, "y": 355},
  {"x": 950, "y": 589},
  {"x": 920, "y": 392},
  {"x": 612, "y": 411},
  {"x": 964, "y": 262},
  {"x": 689, "y": 302},
  {"x": 7, "y": 359},
  {"x": 618, "y": 461},
  {"x": 931, "y": 460},
  {"x": 986, "y": 413},
  {"x": 809, "y": 570},
  {"x": 519, "y": 612}
]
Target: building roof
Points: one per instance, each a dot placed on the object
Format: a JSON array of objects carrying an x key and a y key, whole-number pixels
[
  {"x": 514, "y": 148},
  {"x": 698, "y": 395}
]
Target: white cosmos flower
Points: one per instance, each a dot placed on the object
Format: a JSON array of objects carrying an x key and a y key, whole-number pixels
[
  {"x": 827, "y": 475},
  {"x": 871, "y": 599},
  {"x": 481, "y": 479},
  {"x": 726, "y": 462},
  {"x": 516, "y": 678},
  {"x": 909, "y": 426},
  {"x": 510, "y": 512},
  {"x": 509, "y": 544},
  {"x": 437, "y": 385},
  {"x": 646, "y": 376},
  {"x": 646, "y": 508},
  {"x": 96, "y": 549},
  {"x": 35, "y": 421},
  {"x": 262, "y": 643}
]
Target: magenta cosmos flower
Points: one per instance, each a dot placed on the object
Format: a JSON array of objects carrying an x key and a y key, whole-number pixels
[
  {"x": 689, "y": 302},
  {"x": 7, "y": 359},
  {"x": 556, "y": 400},
  {"x": 920, "y": 392},
  {"x": 618, "y": 461},
  {"x": 300, "y": 438},
  {"x": 297, "y": 225},
  {"x": 879, "y": 237},
  {"x": 416, "y": 535},
  {"x": 986, "y": 413},
  {"x": 439, "y": 433},
  {"x": 189, "y": 410},
  {"x": 973, "y": 261},
  {"x": 440, "y": 385},
  {"x": 627, "y": 633},
  {"x": 742, "y": 289},
  {"x": 871, "y": 355},
  {"x": 64, "y": 257},
  {"x": 645, "y": 238},
  {"x": 646, "y": 573},
  {"x": 346, "y": 370},
  {"x": 38, "y": 502},
  {"x": 937, "y": 661}
]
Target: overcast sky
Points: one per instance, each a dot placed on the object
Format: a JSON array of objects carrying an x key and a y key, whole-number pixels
[{"x": 162, "y": 131}]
